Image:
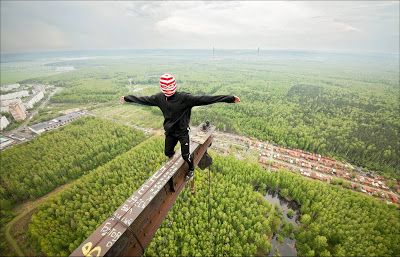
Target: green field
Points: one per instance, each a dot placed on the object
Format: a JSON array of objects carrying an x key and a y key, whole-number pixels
[
  {"x": 11, "y": 74},
  {"x": 141, "y": 116}
]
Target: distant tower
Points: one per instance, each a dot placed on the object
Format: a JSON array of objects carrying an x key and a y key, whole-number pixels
[
  {"x": 258, "y": 52},
  {"x": 213, "y": 54},
  {"x": 130, "y": 81}
]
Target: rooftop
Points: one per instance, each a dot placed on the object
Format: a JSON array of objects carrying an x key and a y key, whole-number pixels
[{"x": 63, "y": 118}]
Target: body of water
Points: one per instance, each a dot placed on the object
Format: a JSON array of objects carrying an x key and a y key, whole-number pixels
[{"x": 287, "y": 248}]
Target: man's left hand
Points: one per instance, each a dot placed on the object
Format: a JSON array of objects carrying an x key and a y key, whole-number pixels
[{"x": 237, "y": 100}]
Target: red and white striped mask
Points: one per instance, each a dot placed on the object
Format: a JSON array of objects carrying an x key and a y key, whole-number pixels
[{"x": 167, "y": 85}]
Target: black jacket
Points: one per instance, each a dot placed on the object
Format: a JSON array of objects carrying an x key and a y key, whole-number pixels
[{"x": 177, "y": 108}]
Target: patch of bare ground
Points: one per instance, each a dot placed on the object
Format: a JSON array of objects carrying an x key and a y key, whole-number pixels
[
  {"x": 19, "y": 233},
  {"x": 71, "y": 110},
  {"x": 16, "y": 229}
]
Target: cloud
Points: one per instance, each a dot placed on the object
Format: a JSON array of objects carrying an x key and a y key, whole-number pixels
[
  {"x": 200, "y": 24},
  {"x": 35, "y": 36},
  {"x": 237, "y": 19}
]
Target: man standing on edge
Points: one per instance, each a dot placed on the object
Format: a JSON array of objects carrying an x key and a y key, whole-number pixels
[{"x": 176, "y": 108}]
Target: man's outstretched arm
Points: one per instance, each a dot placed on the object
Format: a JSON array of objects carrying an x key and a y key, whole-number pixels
[
  {"x": 210, "y": 99},
  {"x": 145, "y": 100}
]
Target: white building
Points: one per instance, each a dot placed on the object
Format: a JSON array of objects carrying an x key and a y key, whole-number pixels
[
  {"x": 65, "y": 69},
  {"x": 4, "y": 105},
  {"x": 55, "y": 123},
  {"x": 38, "y": 87},
  {"x": 9, "y": 87},
  {"x": 34, "y": 99},
  {"x": 14, "y": 96},
  {"x": 4, "y": 122}
]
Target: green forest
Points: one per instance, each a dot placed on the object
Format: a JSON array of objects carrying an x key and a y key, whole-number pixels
[
  {"x": 346, "y": 109},
  {"x": 241, "y": 219},
  {"x": 64, "y": 222},
  {"x": 334, "y": 221},
  {"x": 33, "y": 169},
  {"x": 342, "y": 106}
]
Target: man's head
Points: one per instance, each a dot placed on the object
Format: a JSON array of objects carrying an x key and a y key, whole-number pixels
[{"x": 167, "y": 85}]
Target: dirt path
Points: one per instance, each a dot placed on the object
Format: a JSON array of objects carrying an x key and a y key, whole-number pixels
[
  {"x": 37, "y": 109},
  {"x": 26, "y": 208}
]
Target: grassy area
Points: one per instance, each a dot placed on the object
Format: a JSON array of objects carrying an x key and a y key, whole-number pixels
[
  {"x": 244, "y": 153},
  {"x": 19, "y": 232},
  {"x": 142, "y": 116},
  {"x": 15, "y": 230},
  {"x": 11, "y": 75}
]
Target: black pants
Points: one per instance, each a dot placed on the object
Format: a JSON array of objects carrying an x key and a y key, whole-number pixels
[{"x": 172, "y": 140}]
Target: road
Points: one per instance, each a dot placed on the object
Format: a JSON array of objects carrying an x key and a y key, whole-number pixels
[
  {"x": 21, "y": 133},
  {"x": 27, "y": 207},
  {"x": 23, "y": 126},
  {"x": 289, "y": 165},
  {"x": 229, "y": 139}
]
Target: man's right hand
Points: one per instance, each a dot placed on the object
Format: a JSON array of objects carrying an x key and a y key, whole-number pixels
[
  {"x": 237, "y": 100},
  {"x": 122, "y": 99}
]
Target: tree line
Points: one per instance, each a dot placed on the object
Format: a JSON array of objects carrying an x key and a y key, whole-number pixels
[
  {"x": 35, "y": 168},
  {"x": 240, "y": 217}
]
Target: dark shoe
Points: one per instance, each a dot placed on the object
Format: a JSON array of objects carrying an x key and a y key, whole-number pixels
[{"x": 189, "y": 175}]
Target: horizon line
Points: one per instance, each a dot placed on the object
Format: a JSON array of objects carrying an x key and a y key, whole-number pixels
[{"x": 211, "y": 49}]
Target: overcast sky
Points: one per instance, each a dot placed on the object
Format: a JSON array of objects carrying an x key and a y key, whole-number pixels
[{"x": 28, "y": 26}]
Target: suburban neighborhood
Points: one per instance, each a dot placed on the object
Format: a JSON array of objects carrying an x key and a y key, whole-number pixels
[{"x": 314, "y": 166}]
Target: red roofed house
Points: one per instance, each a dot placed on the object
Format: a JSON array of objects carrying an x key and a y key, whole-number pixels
[{"x": 393, "y": 198}]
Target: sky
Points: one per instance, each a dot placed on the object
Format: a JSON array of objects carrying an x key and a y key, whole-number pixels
[{"x": 356, "y": 26}]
